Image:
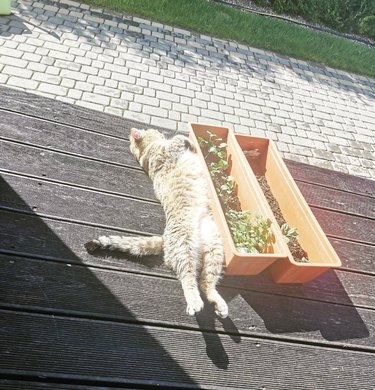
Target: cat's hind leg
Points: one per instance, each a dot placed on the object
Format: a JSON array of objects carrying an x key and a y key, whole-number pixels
[
  {"x": 182, "y": 259},
  {"x": 136, "y": 246},
  {"x": 213, "y": 265}
]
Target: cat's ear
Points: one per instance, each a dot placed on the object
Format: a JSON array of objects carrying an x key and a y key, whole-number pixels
[
  {"x": 136, "y": 134},
  {"x": 189, "y": 145}
]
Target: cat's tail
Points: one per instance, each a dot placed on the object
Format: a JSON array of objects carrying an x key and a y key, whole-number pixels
[{"x": 136, "y": 246}]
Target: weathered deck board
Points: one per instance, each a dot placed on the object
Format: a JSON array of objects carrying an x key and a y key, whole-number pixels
[
  {"x": 62, "y": 241},
  {"x": 355, "y": 256},
  {"x": 331, "y": 179},
  {"x": 127, "y": 353},
  {"x": 335, "y": 200},
  {"x": 69, "y": 140},
  {"x": 347, "y": 227},
  {"x": 7, "y": 384},
  {"x": 35, "y": 106},
  {"x": 55, "y": 240},
  {"x": 69, "y": 203},
  {"x": 82, "y": 172},
  {"x": 106, "y": 294}
]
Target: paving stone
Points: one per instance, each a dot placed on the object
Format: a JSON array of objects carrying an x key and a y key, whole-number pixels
[
  {"x": 14, "y": 71},
  {"x": 183, "y": 92},
  {"x": 3, "y": 78},
  {"x": 22, "y": 83},
  {"x": 97, "y": 99},
  {"x": 73, "y": 75},
  {"x": 68, "y": 83},
  {"x": 111, "y": 83},
  {"x": 282, "y": 147},
  {"x": 147, "y": 100},
  {"x": 359, "y": 171},
  {"x": 323, "y": 154},
  {"x": 123, "y": 77},
  {"x": 212, "y": 114},
  {"x": 107, "y": 91},
  {"x": 84, "y": 86},
  {"x": 46, "y": 78},
  {"x": 180, "y": 107},
  {"x": 6, "y": 60},
  {"x": 155, "y": 111},
  {"x": 31, "y": 57},
  {"x": 8, "y": 53},
  {"x": 90, "y": 105},
  {"x": 53, "y": 89},
  {"x": 95, "y": 80},
  {"x": 320, "y": 163},
  {"x": 139, "y": 117},
  {"x": 24, "y": 47},
  {"x": 340, "y": 167},
  {"x": 136, "y": 107},
  {"x": 113, "y": 111},
  {"x": 166, "y": 96},
  {"x": 36, "y": 67}
]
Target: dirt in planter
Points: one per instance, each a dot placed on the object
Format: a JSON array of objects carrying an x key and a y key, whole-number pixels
[
  {"x": 295, "y": 248},
  {"x": 227, "y": 201}
]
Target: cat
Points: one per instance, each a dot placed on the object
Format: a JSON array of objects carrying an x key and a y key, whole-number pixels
[{"x": 191, "y": 242}]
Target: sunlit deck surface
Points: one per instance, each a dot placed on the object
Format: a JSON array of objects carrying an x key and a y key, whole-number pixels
[{"x": 73, "y": 320}]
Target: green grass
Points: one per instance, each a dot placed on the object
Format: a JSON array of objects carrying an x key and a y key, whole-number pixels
[
  {"x": 349, "y": 16},
  {"x": 284, "y": 38}
]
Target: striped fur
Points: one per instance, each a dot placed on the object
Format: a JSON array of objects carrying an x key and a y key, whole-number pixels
[{"x": 191, "y": 243}]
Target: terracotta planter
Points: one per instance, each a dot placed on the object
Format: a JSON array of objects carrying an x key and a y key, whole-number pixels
[
  {"x": 238, "y": 263},
  {"x": 296, "y": 212}
]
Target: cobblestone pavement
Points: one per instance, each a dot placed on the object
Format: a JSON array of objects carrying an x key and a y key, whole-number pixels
[{"x": 166, "y": 76}]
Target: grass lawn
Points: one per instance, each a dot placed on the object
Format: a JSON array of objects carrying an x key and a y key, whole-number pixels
[{"x": 285, "y": 38}]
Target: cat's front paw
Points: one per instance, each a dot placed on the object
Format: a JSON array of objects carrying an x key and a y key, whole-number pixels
[
  {"x": 92, "y": 246},
  {"x": 194, "y": 306}
]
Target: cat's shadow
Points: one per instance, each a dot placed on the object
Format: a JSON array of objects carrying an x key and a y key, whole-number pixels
[
  {"x": 212, "y": 326},
  {"x": 207, "y": 322}
]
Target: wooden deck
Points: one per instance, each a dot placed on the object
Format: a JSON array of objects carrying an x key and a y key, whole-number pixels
[{"x": 75, "y": 321}]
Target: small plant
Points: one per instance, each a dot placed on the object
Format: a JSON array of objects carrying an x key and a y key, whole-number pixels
[
  {"x": 291, "y": 237},
  {"x": 250, "y": 234},
  {"x": 288, "y": 232}
]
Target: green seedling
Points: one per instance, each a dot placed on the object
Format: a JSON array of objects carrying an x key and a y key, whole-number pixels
[
  {"x": 288, "y": 232},
  {"x": 250, "y": 234}
]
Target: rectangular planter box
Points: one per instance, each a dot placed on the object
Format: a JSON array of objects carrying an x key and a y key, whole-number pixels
[
  {"x": 295, "y": 210},
  {"x": 238, "y": 263}
]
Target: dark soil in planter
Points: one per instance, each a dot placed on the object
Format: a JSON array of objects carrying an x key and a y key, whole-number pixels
[
  {"x": 227, "y": 202},
  {"x": 294, "y": 246}
]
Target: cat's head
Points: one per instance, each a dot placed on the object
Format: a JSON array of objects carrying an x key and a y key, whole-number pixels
[
  {"x": 144, "y": 144},
  {"x": 140, "y": 140}
]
